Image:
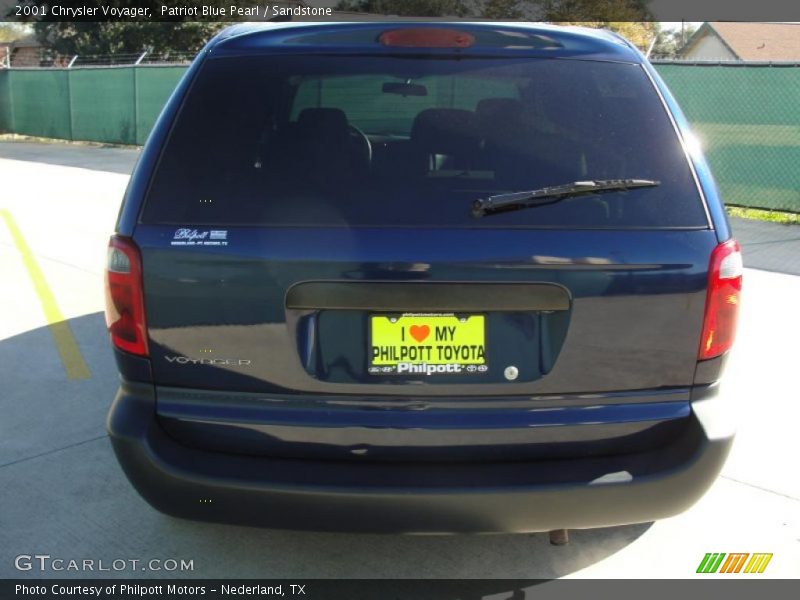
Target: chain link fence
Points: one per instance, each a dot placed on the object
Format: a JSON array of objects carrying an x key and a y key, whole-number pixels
[
  {"x": 746, "y": 115},
  {"x": 143, "y": 58},
  {"x": 116, "y": 105},
  {"x": 44, "y": 59}
]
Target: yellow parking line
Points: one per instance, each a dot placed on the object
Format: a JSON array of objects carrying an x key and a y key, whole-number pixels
[{"x": 71, "y": 356}]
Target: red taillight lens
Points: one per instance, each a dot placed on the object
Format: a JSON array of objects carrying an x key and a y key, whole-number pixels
[
  {"x": 722, "y": 300},
  {"x": 427, "y": 37},
  {"x": 124, "y": 297}
]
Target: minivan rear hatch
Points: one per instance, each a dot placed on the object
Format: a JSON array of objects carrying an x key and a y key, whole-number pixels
[{"x": 309, "y": 230}]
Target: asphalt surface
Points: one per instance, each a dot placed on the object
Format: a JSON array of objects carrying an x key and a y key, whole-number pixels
[
  {"x": 111, "y": 159},
  {"x": 63, "y": 494},
  {"x": 769, "y": 246}
]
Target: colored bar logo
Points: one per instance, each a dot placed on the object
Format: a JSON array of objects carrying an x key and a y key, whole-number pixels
[{"x": 719, "y": 562}]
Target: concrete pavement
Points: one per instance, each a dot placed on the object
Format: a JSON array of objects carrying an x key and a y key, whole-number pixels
[{"x": 62, "y": 492}]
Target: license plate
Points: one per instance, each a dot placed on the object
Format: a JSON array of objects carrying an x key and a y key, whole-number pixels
[{"x": 427, "y": 344}]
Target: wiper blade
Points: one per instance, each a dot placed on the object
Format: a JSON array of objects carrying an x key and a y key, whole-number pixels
[{"x": 550, "y": 195}]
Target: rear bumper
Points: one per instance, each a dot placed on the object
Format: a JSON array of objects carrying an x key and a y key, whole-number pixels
[{"x": 417, "y": 497}]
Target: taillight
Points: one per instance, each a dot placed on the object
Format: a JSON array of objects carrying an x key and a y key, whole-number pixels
[
  {"x": 722, "y": 300},
  {"x": 427, "y": 37},
  {"x": 124, "y": 297}
]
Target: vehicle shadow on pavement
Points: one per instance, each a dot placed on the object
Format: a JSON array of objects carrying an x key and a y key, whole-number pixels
[{"x": 65, "y": 495}]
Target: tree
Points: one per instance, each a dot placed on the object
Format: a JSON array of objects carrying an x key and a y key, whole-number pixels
[
  {"x": 594, "y": 11},
  {"x": 123, "y": 37},
  {"x": 407, "y": 8},
  {"x": 639, "y": 33},
  {"x": 670, "y": 41},
  {"x": 629, "y": 18},
  {"x": 85, "y": 36},
  {"x": 10, "y": 32},
  {"x": 502, "y": 10}
]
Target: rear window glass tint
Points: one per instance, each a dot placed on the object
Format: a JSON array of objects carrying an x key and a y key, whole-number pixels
[
  {"x": 390, "y": 141},
  {"x": 369, "y": 108}
]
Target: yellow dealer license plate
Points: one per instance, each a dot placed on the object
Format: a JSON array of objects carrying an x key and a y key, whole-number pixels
[{"x": 427, "y": 344}]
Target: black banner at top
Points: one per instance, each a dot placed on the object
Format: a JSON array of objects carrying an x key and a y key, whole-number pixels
[{"x": 357, "y": 10}]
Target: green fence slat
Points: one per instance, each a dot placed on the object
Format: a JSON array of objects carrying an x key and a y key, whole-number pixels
[
  {"x": 40, "y": 100},
  {"x": 6, "y": 124},
  {"x": 153, "y": 87},
  {"x": 111, "y": 105},
  {"x": 748, "y": 121},
  {"x": 102, "y": 105}
]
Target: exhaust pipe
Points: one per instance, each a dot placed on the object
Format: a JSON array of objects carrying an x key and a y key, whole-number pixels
[{"x": 559, "y": 537}]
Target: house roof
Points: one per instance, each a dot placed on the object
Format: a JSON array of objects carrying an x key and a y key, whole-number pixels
[
  {"x": 29, "y": 41},
  {"x": 753, "y": 41}
]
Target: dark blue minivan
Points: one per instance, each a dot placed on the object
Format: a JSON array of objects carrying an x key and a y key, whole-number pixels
[{"x": 421, "y": 277}]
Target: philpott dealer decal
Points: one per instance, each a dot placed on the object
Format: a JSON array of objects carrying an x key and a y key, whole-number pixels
[{"x": 196, "y": 237}]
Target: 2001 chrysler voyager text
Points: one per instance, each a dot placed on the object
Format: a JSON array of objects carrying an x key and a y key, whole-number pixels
[{"x": 421, "y": 277}]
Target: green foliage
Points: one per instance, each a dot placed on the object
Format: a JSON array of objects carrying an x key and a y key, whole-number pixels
[
  {"x": 502, "y": 10},
  {"x": 85, "y": 37},
  {"x": 629, "y": 18},
  {"x": 669, "y": 42},
  {"x": 547, "y": 10},
  {"x": 120, "y": 37},
  {"x": 10, "y": 32},
  {"x": 597, "y": 11},
  {"x": 771, "y": 216},
  {"x": 407, "y": 8}
]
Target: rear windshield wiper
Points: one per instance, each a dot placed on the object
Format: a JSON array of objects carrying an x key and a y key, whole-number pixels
[{"x": 550, "y": 195}]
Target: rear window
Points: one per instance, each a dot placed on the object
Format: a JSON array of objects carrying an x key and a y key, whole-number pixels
[{"x": 395, "y": 141}]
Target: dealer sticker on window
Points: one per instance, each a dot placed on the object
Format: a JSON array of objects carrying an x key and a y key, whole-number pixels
[
  {"x": 427, "y": 344},
  {"x": 193, "y": 237}
]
